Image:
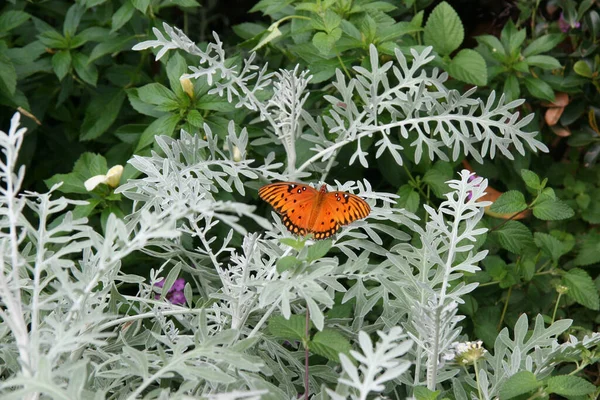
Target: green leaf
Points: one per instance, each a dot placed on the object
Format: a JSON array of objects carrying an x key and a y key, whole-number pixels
[
  {"x": 589, "y": 250},
  {"x": 141, "y": 5},
  {"x": 552, "y": 210},
  {"x": 110, "y": 46},
  {"x": 324, "y": 42},
  {"x": 8, "y": 74},
  {"x": 550, "y": 245},
  {"x": 514, "y": 236},
  {"x": 170, "y": 280},
  {"x": 157, "y": 94},
  {"x": 61, "y": 63},
  {"x": 543, "y": 44},
  {"x": 176, "y": 67},
  {"x": 495, "y": 46},
  {"x": 538, "y": 88},
  {"x": 296, "y": 244},
  {"x": 292, "y": 329},
  {"x": 72, "y": 19},
  {"x": 101, "y": 113},
  {"x": 437, "y": 176},
  {"x": 287, "y": 262},
  {"x": 581, "y": 288},
  {"x": 88, "y": 165},
  {"x": 582, "y": 68},
  {"x": 569, "y": 386},
  {"x": 87, "y": 71},
  {"x": 512, "y": 38},
  {"x": 422, "y": 393},
  {"x": 469, "y": 66},
  {"x": 122, "y": 15},
  {"x": 53, "y": 39},
  {"x": 409, "y": 198},
  {"x": 331, "y": 21},
  {"x": 520, "y": 383},
  {"x": 11, "y": 19},
  {"x": 531, "y": 179},
  {"x": 512, "y": 201},
  {"x": 329, "y": 343},
  {"x": 318, "y": 249},
  {"x": 165, "y": 125},
  {"x": 444, "y": 29},
  {"x": 83, "y": 211},
  {"x": 512, "y": 90},
  {"x": 544, "y": 62}
]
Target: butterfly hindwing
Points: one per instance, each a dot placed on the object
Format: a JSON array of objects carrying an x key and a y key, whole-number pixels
[{"x": 347, "y": 207}]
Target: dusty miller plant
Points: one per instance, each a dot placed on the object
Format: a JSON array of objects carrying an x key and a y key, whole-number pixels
[{"x": 71, "y": 333}]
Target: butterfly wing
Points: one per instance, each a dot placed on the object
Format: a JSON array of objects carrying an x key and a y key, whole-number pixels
[
  {"x": 337, "y": 209},
  {"x": 294, "y": 201}
]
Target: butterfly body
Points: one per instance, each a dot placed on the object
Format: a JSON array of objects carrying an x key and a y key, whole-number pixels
[{"x": 307, "y": 210}]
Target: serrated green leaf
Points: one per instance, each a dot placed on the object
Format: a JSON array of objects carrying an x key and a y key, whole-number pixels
[
  {"x": 512, "y": 39},
  {"x": 437, "y": 176},
  {"x": 53, "y": 39},
  {"x": 512, "y": 201},
  {"x": 329, "y": 343},
  {"x": 141, "y": 5},
  {"x": 444, "y": 29},
  {"x": 514, "y": 236},
  {"x": 543, "y": 44},
  {"x": 520, "y": 383},
  {"x": 538, "y": 88},
  {"x": 176, "y": 67},
  {"x": 287, "y": 262},
  {"x": 422, "y": 393},
  {"x": 101, "y": 113},
  {"x": 531, "y": 179},
  {"x": 61, "y": 63},
  {"x": 409, "y": 198},
  {"x": 110, "y": 46},
  {"x": 581, "y": 288},
  {"x": 292, "y": 329},
  {"x": 469, "y": 66},
  {"x": 319, "y": 249},
  {"x": 589, "y": 250},
  {"x": 550, "y": 245},
  {"x": 552, "y": 210},
  {"x": 324, "y": 42},
  {"x": 567, "y": 385}
]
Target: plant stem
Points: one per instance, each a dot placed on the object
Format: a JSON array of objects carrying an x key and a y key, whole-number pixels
[
  {"x": 556, "y": 307},
  {"x": 306, "y": 332},
  {"x": 477, "y": 379},
  {"x": 504, "y": 309}
]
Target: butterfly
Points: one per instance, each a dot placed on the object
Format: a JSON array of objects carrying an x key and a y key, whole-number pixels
[{"x": 307, "y": 210}]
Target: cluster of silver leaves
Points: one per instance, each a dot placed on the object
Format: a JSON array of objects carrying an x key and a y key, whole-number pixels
[{"x": 70, "y": 333}]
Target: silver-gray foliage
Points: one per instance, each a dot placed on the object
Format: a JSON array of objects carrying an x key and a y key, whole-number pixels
[{"x": 69, "y": 332}]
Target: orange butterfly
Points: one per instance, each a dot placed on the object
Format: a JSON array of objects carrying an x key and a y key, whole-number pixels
[{"x": 307, "y": 210}]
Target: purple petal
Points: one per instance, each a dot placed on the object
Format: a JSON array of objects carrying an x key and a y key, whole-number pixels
[
  {"x": 176, "y": 298},
  {"x": 178, "y": 285},
  {"x": 160, "y": 283}
]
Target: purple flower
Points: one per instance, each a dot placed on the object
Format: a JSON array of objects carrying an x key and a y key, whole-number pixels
[
  {"x": 564, "y": 25},
  {"x": 469, "y": 193},
  {"x": 175, "y": 294}
]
